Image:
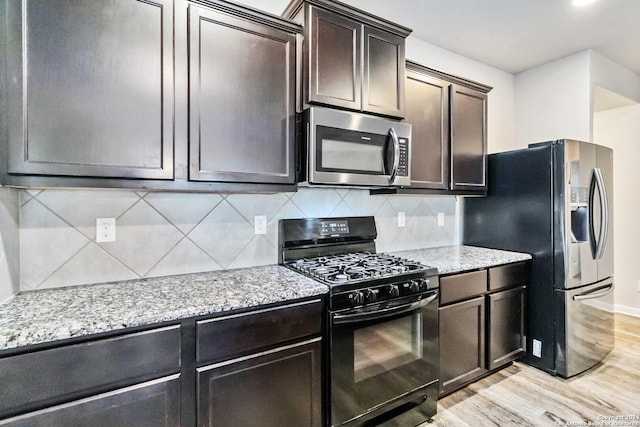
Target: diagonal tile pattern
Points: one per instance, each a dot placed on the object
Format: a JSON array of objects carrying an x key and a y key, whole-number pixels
[{"x": 173, "y": 233}]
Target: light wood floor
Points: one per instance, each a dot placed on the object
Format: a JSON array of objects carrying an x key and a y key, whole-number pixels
[{"x": 607, "y": 395}]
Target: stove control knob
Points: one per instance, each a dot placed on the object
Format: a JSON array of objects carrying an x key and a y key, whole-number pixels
[
  {"x": 393, "y": 291},
  {"x": 369, "y": 296},
  {"x": 414, "y": 286},
  {"x": 357, "y": 298},
  {"x": 423, "y": 284}
]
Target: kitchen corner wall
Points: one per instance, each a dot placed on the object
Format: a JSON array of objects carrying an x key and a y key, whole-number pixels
[
  {"x": 10, "y": 247},
  {"x": 160, "y": 233},
  {"x": 619, "y": 128}
]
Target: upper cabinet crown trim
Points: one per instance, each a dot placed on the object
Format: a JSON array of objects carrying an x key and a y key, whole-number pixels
[
  {"x": 360, "y": 15},
  {"x": 415, "y": 66},
  {"x": 256, "y": 15}
]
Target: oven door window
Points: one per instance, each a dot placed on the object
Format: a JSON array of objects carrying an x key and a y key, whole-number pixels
[
  {"x": 346, "y": 151},
  {"x": 386, "y": 346},
  {"x": 375, "y": 361}
]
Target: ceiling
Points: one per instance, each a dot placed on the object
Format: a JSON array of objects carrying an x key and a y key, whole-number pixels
[{"x": 512, "y": 35}]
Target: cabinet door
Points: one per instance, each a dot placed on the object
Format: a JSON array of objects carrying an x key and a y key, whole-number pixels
[
  {"x": 271, "y": 389},
  {"x": 462, "y": 343},
  {"x": 91, "y": 88},
  {"x": 242, "y": 100},
  {"x": 334, "y": 60},
  {"x": 427, "y": 110},
  {"x": 152, "y": 404},
  {"x": 383, "y": 77},
  {"x": 505, "y": 326},
  {"x": 468, "y": 139}
]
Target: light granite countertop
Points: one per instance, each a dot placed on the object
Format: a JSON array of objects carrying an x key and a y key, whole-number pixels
[
  {"x": 41, "y": 316},
  {"x": 456, "y": 259}
]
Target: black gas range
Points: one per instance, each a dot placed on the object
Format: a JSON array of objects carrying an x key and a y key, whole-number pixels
[{"x": 382, "y": 318}]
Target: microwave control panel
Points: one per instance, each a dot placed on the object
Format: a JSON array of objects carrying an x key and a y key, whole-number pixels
[{"x": 403, "y": 166}]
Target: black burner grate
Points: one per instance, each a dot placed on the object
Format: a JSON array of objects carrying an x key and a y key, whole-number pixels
[{"x": 354, "y": 267}]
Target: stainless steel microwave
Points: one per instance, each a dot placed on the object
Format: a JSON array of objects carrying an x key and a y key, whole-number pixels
[{"x": 353, "y": 149}]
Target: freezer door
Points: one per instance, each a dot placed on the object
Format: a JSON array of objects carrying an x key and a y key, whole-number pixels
[
  {"x": 585, "y": 329},
  {"x": 575, "y": 166}
]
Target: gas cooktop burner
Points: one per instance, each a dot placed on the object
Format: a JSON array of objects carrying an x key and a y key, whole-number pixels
[{"x": 354, "y": 267}]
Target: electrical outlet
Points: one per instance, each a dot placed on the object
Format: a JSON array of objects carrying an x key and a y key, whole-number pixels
[
  {"x": 440, "y": 219},
  {"x": 260, "y": 224},
  {"x": 402, "y": 220},
  {"x": 537, "y": 348},
  {"x": 105, "y": 230}
]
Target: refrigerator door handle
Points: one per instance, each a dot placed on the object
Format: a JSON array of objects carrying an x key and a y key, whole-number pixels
[
  {"x": 600, "y": 292},
  {"x": 598, "y": 245}
]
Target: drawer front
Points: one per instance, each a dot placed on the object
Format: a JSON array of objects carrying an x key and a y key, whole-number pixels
[
  {"x": 229, "y": 336},
  {"x": 507, "y": 276},
  {"x": 47, "y": 377},
  {"x": 462, "y": 286},
  {"x": 152, "y": 404}
]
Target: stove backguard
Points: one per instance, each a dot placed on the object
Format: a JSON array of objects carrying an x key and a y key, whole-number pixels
[{"x": 312, "y": 237}]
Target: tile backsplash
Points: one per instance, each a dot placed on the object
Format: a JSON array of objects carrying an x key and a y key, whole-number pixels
[{"x": 160, "y": 233}]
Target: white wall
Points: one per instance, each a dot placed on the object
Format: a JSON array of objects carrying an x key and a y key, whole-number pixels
[
  {"x": 620, "y": 129},
  {"x": 614, "y": 77},
  {"x": 553, "y": 101}
]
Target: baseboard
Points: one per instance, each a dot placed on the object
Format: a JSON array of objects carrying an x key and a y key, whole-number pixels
[{"x": 624, "y": 309}]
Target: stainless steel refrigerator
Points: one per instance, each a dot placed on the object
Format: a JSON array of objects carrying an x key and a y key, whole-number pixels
[{"x": 554, "y": 200}]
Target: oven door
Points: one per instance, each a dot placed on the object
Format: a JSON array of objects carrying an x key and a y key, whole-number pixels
[
  {"x": 354, "y": 149},
  {"x": 380, "y": 355}
]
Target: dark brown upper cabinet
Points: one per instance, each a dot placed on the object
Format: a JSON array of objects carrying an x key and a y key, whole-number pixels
[
  {"x": 90, "y": 88},
  {"x": 427, "y": 109},
  {"x": 242, "y": 101},
  {"x": 351, "y": 59},
  {"x": 154, "y": 94},
  {"x": 448, "y": 117},
  {"x": 468, "y": 139}
]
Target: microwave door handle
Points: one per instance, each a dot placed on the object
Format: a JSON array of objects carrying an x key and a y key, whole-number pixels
[{"x": 396, "y": 155}]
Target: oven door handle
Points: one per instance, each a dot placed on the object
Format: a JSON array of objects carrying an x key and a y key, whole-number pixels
[{"x": 341, "y": 319}]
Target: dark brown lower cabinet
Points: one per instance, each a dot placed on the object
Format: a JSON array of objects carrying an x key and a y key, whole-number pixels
[
  {"x": 129, "y": 379},
  {"x": 260, "y": 367},
  {"x": 481, "y": 322},
  {"x": 272, "y": 389},
  {"x": 151, "y": 404},
  {"x": 462, "y": 343},
  {"x": 505, "y": 326}
]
